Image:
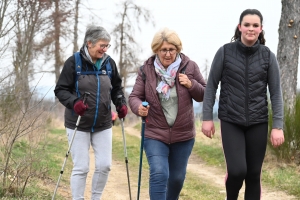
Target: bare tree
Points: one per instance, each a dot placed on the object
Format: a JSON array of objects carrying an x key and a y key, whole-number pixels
[
  {"x": 206, "y": 69},
  {"x": 28, "y": 23},
  {"x": 75, "y": 44},
  {"x": 288, "y": 49},
  {"x": 21, "y": 137},
  {"x": 125, "y": 44},
  {"x": 58, "y": 29},
  {"x": 60, "y": 16},
  {"x": 19, "y": 119},
  {"x": 3, "y": 16},
  {"x": 6, "y": 24},
  {"x": 22, "y": 116}
]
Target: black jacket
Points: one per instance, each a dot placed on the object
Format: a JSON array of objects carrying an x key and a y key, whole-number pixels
[
  {"x": 243, "y": 97},
  {"x": 102, "y": 90},
  {"x": 246, "y": 73}
]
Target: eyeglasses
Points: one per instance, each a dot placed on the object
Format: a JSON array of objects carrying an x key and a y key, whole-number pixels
[
  {"x": 103, "y": 46},
  {"x": 165, "y": 51}
]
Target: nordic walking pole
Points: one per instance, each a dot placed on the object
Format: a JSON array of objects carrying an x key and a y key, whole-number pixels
[
  {"x": 85, "y": 96},
  {"x": 125, "y": 153},
  {"x": 145, "y": 104}
]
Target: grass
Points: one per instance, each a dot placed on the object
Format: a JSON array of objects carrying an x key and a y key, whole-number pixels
[
  {"x": 57, "y": 146},
  {"x": 209, "y": 150},
  {"x": 194, "y": 188},
  {"x": 280, "y": 176},
  {"x": 133, "y": 155},
  {"x": 275, "y": 174},
  {"x": 53, "y": 153}
]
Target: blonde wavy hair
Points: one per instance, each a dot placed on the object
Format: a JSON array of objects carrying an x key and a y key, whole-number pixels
[{"x": 167, "y": 35}]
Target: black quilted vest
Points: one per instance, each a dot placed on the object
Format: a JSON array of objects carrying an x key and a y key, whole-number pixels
[{"x": 243, "y": 97}]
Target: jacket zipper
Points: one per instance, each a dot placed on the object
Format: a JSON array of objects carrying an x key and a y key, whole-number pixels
[
  {"x": 247, "y": 89},
  {"x": 170, "y": 138},
  {"x": 158, "y": 101},
  {"x": 170, "y": 129}
]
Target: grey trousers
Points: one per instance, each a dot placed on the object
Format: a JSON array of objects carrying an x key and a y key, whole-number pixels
[{"x": 102, "y": 146}]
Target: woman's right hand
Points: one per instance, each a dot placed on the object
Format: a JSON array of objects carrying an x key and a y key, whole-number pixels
[
  {"x": 208, "y": 128},
  {"x": 143, "y": 111}
]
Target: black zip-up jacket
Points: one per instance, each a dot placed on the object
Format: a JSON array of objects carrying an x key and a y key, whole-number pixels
[
  {"x": 102, "y": 90},
  {"x": 245, "y": 73}
]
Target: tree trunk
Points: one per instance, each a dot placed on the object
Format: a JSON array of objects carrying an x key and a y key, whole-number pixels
[
  {"x": 57, "y": 42},
  {"x": 288, "y": 49},
  {"x": 75, "y": 45},
  {"x": 122, "y": 45},
  {"x": 27, "y": 23},
  {"x": 125, "y": 44}
]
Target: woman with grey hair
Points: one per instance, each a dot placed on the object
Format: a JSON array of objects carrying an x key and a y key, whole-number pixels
[{"x": 90, "y": 70}]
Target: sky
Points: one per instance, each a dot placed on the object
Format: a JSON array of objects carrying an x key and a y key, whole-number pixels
[{"x": 203, "y": 26}]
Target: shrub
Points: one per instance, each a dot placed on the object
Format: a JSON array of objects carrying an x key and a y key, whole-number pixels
[{"x": 290, "y": 149}]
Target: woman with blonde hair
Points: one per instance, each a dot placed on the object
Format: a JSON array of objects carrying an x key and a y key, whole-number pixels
[{"x": 168, "y": 81}]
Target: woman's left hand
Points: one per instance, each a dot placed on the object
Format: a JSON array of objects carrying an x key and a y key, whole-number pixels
[
  {"x": 277, "y": 137},
  {"x": 184, "y": 80}
]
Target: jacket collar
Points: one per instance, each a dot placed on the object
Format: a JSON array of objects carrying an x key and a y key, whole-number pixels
[{"x": 248, "y": 50}]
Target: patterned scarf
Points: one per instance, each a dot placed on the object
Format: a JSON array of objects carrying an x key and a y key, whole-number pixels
[{"x": 167, "y": 76}]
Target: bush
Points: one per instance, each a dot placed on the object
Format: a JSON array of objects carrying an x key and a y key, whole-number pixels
[{"x": 290, "y": 149}]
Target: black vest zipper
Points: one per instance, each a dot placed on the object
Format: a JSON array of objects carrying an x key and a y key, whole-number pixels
[{"x": 247, "y": 89}]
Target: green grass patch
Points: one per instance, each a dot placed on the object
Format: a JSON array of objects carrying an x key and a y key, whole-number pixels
[
  {"x": 197, "y": 188},
  {"x": 194, "y": 188},
  {"x": 281, "y": 178},
  {"x": 133, "y": 156},
  {"x": 284, "y": 178},
  {"x": 209, "y": 154},
  {"x": 56, "y": 148},
  {"x": 52, "y": 153},
  {"x": 138, "y": 126}
]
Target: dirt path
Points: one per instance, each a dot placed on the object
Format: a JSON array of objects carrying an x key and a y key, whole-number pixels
[{"x": 117, "y": 188}]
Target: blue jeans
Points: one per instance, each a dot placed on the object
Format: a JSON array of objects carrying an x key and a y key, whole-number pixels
[{"x": 167, "y": 164}]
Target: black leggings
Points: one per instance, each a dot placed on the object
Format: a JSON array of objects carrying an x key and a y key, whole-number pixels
[{"x": 244, "y": 150}]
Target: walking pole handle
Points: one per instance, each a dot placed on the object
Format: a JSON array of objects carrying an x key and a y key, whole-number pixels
[
  {"x": 85, "y": 96},
  {"x": 145, "y": 104}
]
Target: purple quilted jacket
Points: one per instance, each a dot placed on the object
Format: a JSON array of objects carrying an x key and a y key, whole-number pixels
[{"x": 156, "y": 123}]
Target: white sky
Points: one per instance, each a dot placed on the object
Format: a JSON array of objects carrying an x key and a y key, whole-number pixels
[{"x": 203, "y": 26}]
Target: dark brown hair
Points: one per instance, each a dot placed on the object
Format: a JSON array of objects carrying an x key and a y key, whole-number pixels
[{"x": 237, "y": 34}]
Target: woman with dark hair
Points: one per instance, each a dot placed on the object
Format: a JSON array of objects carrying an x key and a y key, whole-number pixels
[{"x": 246, "y": 68}]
